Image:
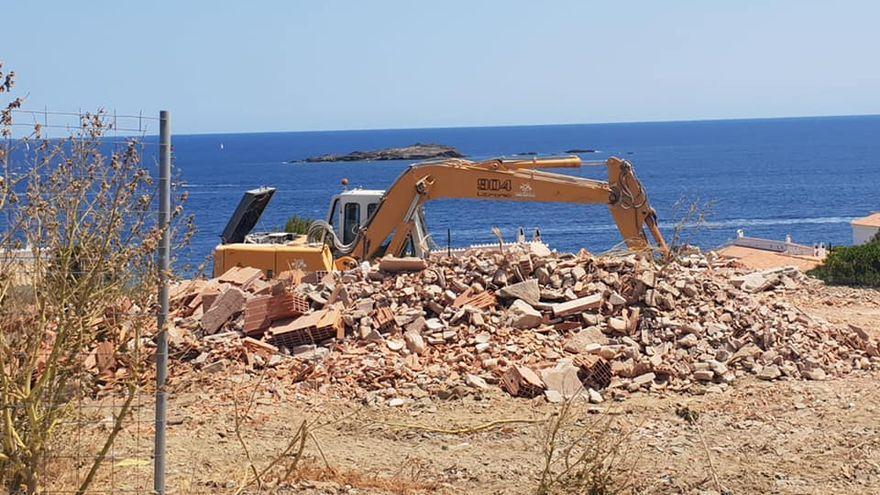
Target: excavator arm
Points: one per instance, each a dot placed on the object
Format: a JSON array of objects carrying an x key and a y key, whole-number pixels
[{"x": 506, "y": 180}]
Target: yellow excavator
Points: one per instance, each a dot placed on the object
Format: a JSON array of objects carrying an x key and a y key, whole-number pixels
[{"x": 365, "y": 224}]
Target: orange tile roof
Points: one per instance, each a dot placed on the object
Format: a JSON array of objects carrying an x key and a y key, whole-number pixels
[
  {"x": 759, "y": 259},
  {"x": 872, "y": 220}
]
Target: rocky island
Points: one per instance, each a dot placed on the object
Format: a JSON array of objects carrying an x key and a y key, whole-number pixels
[{"x": 418, "y": 151}]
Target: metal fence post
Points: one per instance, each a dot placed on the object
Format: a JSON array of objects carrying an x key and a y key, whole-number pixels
[{"x": 162, "y": 317}]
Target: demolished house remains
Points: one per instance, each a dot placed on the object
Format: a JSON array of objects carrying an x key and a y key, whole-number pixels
[{"x": 527, "y": 320}]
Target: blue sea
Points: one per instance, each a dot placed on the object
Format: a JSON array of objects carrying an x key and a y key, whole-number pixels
[{"x": 805, "y": 177}]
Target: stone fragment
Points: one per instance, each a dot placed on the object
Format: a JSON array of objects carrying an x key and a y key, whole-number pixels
[
  {"x": 717, "y": 367},
  {"x": 760, "y": 281},
  {"x": 395, "y": 344},
  {"x": 688, "y": 341},
  {"x": 564, "y": 379},
  {"x": 576, "y": 306},
  {"x": 524, "y": 316},
  {"x": 618, "y": 325},
  {"x": 616, "y": 299},
  {"x": 769, "y": 372},
  {"x": 433, "y": 325},
  {"x": 308, "y": 352},
  {"x": 416, "y": 325},
  {"x": 704, "y": 375},
  {"x": 578, "y": 342},
  {"x": 415, "y": 343},
  {"x": 214, "y": 367},
  {"x": 476, "y": 381},
  {"x": 553, "y": 397},
  {"x": 543, "y": 275},
  {"x": 817, "y": 374},
  {"x": 644, "y": 379},
  {"x": 528, "y": 291}
]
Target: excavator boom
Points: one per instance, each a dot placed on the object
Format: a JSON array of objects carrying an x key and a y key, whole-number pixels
[{"x": 393, "y": 222}]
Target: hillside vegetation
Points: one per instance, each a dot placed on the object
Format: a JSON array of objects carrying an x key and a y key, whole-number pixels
[{"x": 854, "y": 265}]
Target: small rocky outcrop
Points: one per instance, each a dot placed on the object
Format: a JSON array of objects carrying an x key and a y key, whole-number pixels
[{"x": 418, "y": 151}]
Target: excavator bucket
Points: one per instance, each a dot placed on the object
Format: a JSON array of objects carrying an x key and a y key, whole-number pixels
[{"x": 630, "y": 208}]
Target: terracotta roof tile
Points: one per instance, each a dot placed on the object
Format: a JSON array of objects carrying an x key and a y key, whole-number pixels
[
  {"x": 872, "y": 220},
  {"x": 758, "y": 259}
]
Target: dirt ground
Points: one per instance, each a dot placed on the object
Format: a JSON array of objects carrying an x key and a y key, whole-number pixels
[{"x": 787, "y": 437}]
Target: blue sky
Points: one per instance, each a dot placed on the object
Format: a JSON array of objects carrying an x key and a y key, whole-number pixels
[{"x": 295, "y": 65}]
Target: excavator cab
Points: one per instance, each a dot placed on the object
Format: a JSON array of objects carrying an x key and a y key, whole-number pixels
[{"x": 350, "y": 210}]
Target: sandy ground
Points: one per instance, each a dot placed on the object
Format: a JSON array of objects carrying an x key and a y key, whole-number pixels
[{"x": 788, "y": 437}]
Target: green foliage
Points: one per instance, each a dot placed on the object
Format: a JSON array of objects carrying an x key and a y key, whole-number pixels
[
  {"x": 855, "y": 265},
  {"x": 297, "y": 225}
]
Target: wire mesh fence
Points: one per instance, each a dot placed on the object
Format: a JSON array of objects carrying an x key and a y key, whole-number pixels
[
  {"x": 126, "y": 465},
  {"x": 48, "y": 124},
  {"x": 79, "y": 300}
]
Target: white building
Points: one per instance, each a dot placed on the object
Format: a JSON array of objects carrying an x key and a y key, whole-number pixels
[{"x": 864, "y": 229}]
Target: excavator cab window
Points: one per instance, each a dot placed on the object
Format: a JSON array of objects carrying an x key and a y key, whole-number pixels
[
  {"x": 371, "y": 208},
  {"x": 409, "y": 249},
  {"x": 351, "y": 222},
  {"x": 334, "y": 208}
]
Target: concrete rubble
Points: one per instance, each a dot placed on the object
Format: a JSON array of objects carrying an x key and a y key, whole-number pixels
[{"x": 535, "y": 324}]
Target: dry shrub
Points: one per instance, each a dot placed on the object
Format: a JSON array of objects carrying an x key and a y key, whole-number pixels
[
  {"x": 690, "y": 217},
  {"x": 78, "y": 238},
  {"x": 302, "y": 458},
  {"x": 592, "y": 457},
  {"x": 293, "y": 464}
]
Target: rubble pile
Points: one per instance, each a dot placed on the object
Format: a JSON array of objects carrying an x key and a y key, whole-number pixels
[{"x": 527, "y": 320}]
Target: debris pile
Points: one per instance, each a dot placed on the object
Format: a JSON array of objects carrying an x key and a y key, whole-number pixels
[{"x": 527, "y": 320}]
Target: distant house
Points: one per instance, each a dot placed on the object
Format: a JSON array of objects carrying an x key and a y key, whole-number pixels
[{"x": 864, "y": 229}]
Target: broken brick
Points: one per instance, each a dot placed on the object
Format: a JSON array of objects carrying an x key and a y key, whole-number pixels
[{"x": 521, "y": 381}]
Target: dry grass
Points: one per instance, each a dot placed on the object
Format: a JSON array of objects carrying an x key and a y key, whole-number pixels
[
  {"x": 593, "y": 456},
  {"x": 293, "y": 464},
  {"x": 406, "y": 483}
]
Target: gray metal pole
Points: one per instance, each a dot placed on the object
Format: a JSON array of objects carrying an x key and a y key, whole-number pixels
[{"x": 162, "y": 342}]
